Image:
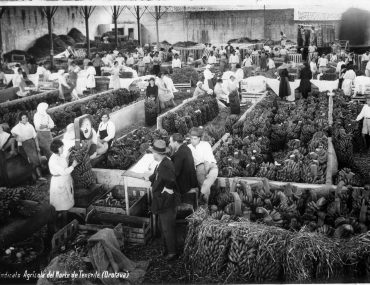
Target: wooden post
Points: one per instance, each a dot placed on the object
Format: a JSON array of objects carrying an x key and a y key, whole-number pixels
[
  {"x": 87, "y": 30},
  {"x": 156, "y": 24},
  {"x": 1, "y": 35},
  {"x": 50, "y": 29},
  {"x": 138, "y": 24},
  {"x": 115, "y": 16}
]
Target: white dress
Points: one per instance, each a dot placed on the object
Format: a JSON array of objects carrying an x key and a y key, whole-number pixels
[
  {"x": 114, "y": 79},
  {"x": 348, "y": 77},
  {"x": 90, "y": 81},
  {"x": 61, "y": 184}
]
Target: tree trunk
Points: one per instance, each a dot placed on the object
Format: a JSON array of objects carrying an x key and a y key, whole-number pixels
[
  {"x": 115, "y": 16},
  {"x": 1, "y": 40},
  {"x": 50, "y": 28},
  {"x": 156, "y": 25},
  {"x": 87, "y": 31},
  {"x": 138, "y": 24}
]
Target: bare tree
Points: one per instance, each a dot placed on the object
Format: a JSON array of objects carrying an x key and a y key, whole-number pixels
[
  {"x": 2, "y": 10},
  {"x": 50, "y": 13},
  {"x": 86, "y": 12},
  {"x": 135, "y": 11},
  {"x": 116, "y": 12},
  {"x": 157, "y": 15}
]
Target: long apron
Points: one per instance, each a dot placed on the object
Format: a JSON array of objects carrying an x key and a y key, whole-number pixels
[
  {"x": 30, "y": 150},
  {"x": 366, "y": 126},
  {"x": 346, "y": 86},
  {"x": 61, "y": 192},
  {"x": 45, "y": 138},
  {"x": 103, "y": 134}
]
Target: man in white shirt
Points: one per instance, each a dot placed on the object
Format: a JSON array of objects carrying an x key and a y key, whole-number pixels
[
  {"x": 247, "y": 62},
  {"x": 339, "y": 65},
  {"x": 283, "y": 51},
  {"x": 270, "y": 63},
  {"x": 234, "y": 60},
  {"x": 130, "y": 61},
  {"x": 365, "y": 59},
  {"x": 208, "y": 77},
  {"x": 267, "y": 49},
  {"x": 323, "y": 62},
  {"x": 367, "y": 69},
  {"x": 333, "y": 57},
  {"x": 176, "y": 62},
  {"x": 221, "y": 92},
  {"x": 365, "y": 114},
  {"x": 204, "y": 161},
  {"x": 212, "y": 58},
  {"x": 120, "y": 59}
]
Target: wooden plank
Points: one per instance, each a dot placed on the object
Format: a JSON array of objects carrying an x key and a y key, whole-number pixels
[
  {"x": 117, "y": 218},
  {"x": 223, "y": 139}
]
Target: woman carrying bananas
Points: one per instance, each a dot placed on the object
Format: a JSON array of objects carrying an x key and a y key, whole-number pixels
[
  {"x": 61, "y": 184},
  {"x": 365, "y": 115}
]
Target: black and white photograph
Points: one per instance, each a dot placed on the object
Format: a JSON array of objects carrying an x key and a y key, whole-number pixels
[{"x": 184, "y": 142}]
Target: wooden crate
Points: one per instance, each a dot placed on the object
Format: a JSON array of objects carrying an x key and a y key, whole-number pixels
[
  {"x": 65, "y": 234},
  {"x": 137, "y": 234},
  {"x": 183, "y": 86},
  {"x": 136, "y": 209}
]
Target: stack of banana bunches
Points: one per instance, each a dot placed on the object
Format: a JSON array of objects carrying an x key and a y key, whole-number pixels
[
  {"x": 283, "y": 233},
  {"x": 279, "y": 141}
]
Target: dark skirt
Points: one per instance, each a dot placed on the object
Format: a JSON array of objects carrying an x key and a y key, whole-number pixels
[
  {"x": 284, "y": 88},
  {"x": 98, "y": 70},
  {"x": 30, "y": 152},
  {"x": 305, "y": 87}
]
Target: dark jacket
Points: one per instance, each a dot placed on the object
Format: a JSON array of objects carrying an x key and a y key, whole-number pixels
[
  {"x": 186, "y": 177},
  {"x": 152, "y": 91},
  {"x": 164, "y": 176},
  {"x": 305, "y": 84}
]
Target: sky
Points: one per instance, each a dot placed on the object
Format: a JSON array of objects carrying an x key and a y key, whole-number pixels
[{"x": 335, "y": 6}]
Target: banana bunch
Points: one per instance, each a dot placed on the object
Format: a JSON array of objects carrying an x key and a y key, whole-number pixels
[
  {"x": 9, "y": 199},
  {"x": 308, "y": 130},
  {"x": 294, "y": 144},
  {"x": 278, "y": 136},
  {"x": 267, "y": 170},
  {"x": 319, "y": 140},
  {"x": 290, "y": 172},
  {"x": 348, "y": 177}
]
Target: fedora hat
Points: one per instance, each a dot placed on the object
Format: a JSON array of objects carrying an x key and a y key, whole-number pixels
[
  {"x": 159, "y": 146},
  {"x": 196, "y": 132}
]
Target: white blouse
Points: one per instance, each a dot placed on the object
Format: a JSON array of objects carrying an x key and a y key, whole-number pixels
[
  {"x": 58, "y": 165},
  {"x": 23, "y": 132},
  {"x": 111, "y": 130},
  {"x": 365, "y": 113}
]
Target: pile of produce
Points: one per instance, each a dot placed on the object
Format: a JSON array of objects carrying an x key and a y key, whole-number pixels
[
  {"x": 185, "y": 75},
  {"x": 347, "y": 140},
  {"x": 185, "y": 44},
  {"x": 107, "y": 102},
  {"x": 41, "y": 47},
  {"x": 10, "y": 113},
  {"x": 279, "y": 141},
  {"x": 116, "y": 201},
  {"x": 151, "y": 112},
  {"x": 126, "y": 151},
  {"x": 284, "y": 234},
  {"x": 12, "y": 205},
  {"x": 82, "y": 175},
  {"x": 194, "y": 113},
  {"x": 245, "y": 40},
  {"x": 76, "y": 35}
]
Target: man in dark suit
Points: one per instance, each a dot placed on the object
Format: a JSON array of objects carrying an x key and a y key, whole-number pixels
[
  {"x": 182, "y": 158},
  {"x": 166, "y": 196}
]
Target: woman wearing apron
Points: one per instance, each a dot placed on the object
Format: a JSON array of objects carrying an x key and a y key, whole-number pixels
[
  {"x": 90, "y": 82},
  {"x": 152, "y": 93},
  {"x": 73, "y": 74},
  {"x": 43, "y": 124},
  {"x": 164, "y": 92},
  {"x": 348, "y": 79},
  {"x": 365, "y": 115},
  {"x": 106, "y": 133},
  {"x": 28, "y": 144},
  {"x": 114, "y": 79},
  {"x": 61, "y": 183}
]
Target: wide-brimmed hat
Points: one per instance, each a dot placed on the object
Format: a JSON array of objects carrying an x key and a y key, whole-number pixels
[{"x": 159, "y": 146}]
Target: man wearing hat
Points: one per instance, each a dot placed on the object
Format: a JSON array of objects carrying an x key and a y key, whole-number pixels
[
  {"x": 176, "y": 62},
  {"x": 165, "y": 196},
  {"x": 141, "y": 67},
  {"x": 182, "y": 158},
  {"x": 204, "y": 161}
]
